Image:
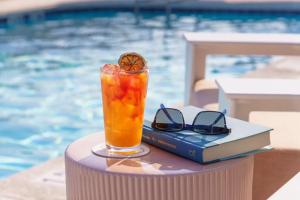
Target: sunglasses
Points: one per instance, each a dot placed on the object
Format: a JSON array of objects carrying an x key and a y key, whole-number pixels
[{"x": 205, "y": 122}]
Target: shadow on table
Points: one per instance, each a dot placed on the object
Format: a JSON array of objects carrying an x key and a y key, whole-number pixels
[{"x": 158, "y": 161}]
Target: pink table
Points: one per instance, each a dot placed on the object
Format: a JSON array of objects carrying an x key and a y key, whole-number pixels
[{"x": 157, "y": 176}]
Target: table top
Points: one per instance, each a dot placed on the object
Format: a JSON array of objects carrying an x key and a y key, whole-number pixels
[
  {"x": 262, "y": 88},
  {"x": 157, "y": 162}
]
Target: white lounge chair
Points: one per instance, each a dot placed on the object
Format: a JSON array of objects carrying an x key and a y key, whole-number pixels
[
  {"x": 274, "y": 168},
  {"x": 240, "y": 96},
  {"x": 200, "y": 45}
]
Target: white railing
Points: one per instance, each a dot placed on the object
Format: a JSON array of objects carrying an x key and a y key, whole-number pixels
[{"x": 200, "y": 45}]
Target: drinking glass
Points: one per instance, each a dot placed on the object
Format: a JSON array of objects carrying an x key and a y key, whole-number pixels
[{"x": 123, "y": 99}]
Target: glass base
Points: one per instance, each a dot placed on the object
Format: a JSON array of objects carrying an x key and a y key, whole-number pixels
[{"x": 116, "y": 152}]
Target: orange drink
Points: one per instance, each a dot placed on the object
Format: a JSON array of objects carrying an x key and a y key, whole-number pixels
[{"x": 123, "y": 97}]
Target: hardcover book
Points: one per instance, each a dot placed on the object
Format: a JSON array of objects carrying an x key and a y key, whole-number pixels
[{"x": 245, "y": 138}]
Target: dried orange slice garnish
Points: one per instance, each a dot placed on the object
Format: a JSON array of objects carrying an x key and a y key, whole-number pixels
[{"x": 131, "y": 62}]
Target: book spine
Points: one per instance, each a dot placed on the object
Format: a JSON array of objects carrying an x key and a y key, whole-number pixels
[{"x": 173, "y": 145}]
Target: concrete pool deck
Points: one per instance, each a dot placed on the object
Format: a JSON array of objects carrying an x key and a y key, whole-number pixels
[
  {"x": 42, "y": 182},
  {"x": 47, "y": 181}
]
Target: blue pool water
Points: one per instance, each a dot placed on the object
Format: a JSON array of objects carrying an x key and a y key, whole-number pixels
[{"x": 49, "y": 71}]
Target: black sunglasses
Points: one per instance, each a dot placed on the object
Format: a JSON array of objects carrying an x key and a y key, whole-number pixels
[{"x": 205, "y": 122}]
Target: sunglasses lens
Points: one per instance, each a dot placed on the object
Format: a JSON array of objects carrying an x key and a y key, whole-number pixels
[
  {"x": 203, "y": 123},
  {"x": 169, "y": 120}
]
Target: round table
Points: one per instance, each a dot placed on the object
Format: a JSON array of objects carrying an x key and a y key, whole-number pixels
[{"x": 157, "y": 176}]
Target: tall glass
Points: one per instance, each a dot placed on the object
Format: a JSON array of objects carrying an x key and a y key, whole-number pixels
[{"x": 123, "y": 98}]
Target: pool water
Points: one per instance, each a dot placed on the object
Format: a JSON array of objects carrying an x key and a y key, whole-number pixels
[{"x": 49, "y": 71}]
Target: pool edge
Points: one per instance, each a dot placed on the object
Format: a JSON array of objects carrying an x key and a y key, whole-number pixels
[{"x": 19, "y": 8}]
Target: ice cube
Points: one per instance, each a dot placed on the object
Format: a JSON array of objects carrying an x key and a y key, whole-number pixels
[{"x": 110, "y": 68}]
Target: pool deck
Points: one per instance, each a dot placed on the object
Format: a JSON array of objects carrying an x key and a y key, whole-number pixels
[
  {"x": 42, "y": 182},
  {"x": 285, "y": 68},
  {"x": 47, "y": 181},
  {"x": 19, "y": 8}
]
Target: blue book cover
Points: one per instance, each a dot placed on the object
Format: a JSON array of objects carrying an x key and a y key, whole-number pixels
[{"x": 245, "y": 138}]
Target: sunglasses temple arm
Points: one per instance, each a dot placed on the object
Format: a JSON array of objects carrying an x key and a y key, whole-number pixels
[
  {"x": 167, "y": 114},
  {"x": 224, "y": 111},
  {"x": 219, "y": 117}
]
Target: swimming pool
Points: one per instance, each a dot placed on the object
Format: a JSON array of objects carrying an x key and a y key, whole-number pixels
[{"x": 49, "y": 87}]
